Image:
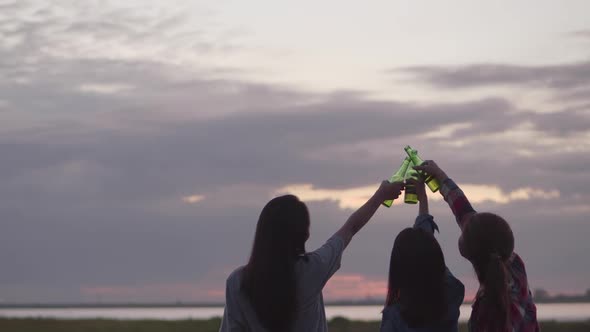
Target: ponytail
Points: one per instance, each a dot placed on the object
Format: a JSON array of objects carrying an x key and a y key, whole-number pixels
[
  {"x": 496, "y": 298},
  {"x": 488, "y": 243}
]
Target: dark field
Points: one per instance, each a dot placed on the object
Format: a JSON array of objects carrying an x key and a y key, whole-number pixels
[{"x": 212, "y": 325}]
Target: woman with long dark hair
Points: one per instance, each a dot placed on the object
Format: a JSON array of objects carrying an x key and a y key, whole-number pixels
[
  {"x": 503, "y": 302},
  {"x": 422, "y": 293},
  {"x": 280, "y": 288}
]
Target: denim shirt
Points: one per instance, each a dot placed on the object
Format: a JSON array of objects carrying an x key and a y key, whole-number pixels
[{"x": 392, "y": 319}]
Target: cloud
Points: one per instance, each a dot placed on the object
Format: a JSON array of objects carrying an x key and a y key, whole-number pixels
[
  {"x": 555, "y": 88},
  {"x": 581, "y": 33},
  {"x": 446, "y": 131},
  {"x": 353, "y": 198},
  {"x": 483, "y": 193},
  {"x": 104, "y": 88},
  {"x": 560, "y": 76},
  {"x": 355, "y": 286},
  {"x": 188, "y": 291},
  {"x": 203, "y": 289},
  {"x": 192, "y": 199}
]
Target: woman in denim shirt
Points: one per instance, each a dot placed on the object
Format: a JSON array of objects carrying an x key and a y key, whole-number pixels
[{"x": 422, "y": 295}]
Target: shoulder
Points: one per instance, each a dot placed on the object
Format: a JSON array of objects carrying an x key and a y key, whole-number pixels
[
  {"x": 517, "y": 271},
  {"x": 454, "y": 283},
  {"x": 233, "y": 280},
  {"x": 391, "y": 312},
  {"x": 325, "y": 258},
  {"x": 392, "y": 319},
  {"x": 518, "y": 280},
  {"x": 516, "y": 263},
  {"x": 455, "y": 294},
  {"x": 336, "y": 241},
  {"x": 334, "y": 245}
]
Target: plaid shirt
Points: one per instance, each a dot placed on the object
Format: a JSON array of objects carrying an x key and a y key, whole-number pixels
[{"x": 523, "y": 313}]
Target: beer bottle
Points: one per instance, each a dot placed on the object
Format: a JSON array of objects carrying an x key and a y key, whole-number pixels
[
  {"x": 410, "y": 195},
  {"x": 430, "y": 181},
  {"x": 398, "y": 177}
]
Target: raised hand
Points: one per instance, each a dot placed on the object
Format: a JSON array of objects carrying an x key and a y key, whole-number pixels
[
  {"x": 419, "y": 185},
  {"x": 389, "y": 190},
  {"x": 360, "y": 217},
  {"x": 430, "y": 167}
]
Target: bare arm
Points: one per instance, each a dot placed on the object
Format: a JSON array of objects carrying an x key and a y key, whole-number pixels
[
  {"x": 360, "y": 217},
  {"x": 422, "y": 198},
  {"x": 424, "y": 220}
]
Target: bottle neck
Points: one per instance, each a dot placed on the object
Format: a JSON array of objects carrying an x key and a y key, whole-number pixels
[
  {"x": 416, "y": 160},
  {"x": 411, "y": 173},
  {"x": 401, "y": 172}
]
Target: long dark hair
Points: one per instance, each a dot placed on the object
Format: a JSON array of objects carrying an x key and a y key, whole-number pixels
[
  {"x": 268, "y": 279},
  {"x": 488, "y": 243},
  {"x": 417, "y": 278}
]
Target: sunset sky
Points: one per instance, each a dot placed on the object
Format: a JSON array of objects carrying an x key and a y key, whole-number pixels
[{"x": 139, "y": 140}]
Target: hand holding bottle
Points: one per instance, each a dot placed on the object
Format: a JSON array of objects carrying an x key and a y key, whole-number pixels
[
  {"x": 411, "y": 176},
  {"x": 431, "y": 168},
  {"x": 389, "y": 190},
  {"x": 429, "y": 179},
  {"x": 398, "y": 176},
  {"x": 420, "y": 188}
]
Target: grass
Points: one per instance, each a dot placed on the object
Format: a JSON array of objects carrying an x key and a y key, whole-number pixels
[{"x": 211, "y": 325}]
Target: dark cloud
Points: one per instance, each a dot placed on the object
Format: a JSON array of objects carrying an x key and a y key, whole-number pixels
[
  {"x": 561, "y": 76},
  {"x": 568, "y": 84},
  {"x": 9, "y": 5},
  {"x": 581, "y": 33},
  {"x": 563, "y": 123}
]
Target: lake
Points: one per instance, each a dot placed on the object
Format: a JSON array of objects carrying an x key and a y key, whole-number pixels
[{"x": 545, "y": 311}]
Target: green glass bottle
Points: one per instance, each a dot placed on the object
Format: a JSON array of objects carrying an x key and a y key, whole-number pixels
[
  {"x": 430, "y": 181},
  {"x": 410, "y": 195},
  {"x": 398, "y": 177}
]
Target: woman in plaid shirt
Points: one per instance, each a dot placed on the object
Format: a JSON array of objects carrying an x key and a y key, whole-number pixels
[{"x": 503, "y": 302}]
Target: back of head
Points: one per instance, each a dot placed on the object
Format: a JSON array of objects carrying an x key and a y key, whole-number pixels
[
  {"x": 269, "y": 278},
  {"x": 488, "y": 244},
  {"x": 417, "y": 278}
]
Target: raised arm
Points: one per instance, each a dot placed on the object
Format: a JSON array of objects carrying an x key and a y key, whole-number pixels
[
  {"x": 422, "y": 198},
  {"x": 452, "y": 194},
  {"x": 360, "y": 217},
  {"x": 424, "y": 220}
]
